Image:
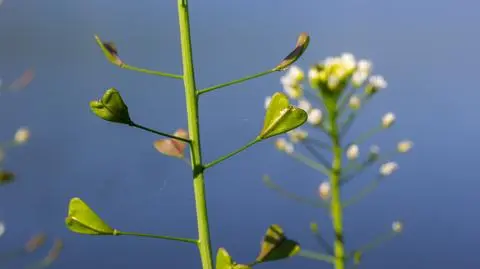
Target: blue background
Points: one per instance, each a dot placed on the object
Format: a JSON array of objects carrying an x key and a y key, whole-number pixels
[{"x": 427, "y": 50}]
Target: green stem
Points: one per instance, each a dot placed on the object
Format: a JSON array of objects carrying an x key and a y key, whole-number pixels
[
  {"x": 275, "y": 187},
  {"x": 364, "y": 192},
  {"x": 186, "y": 140},
  {"x": 204, "y": 243},
  {"x": 172, "y": 238},
  {"x": 311, "y": 163},
  {"x": 365, "y": 136},
  {"x": 316, "y": 256},
  {"x": 316, "y": 154},
  {"x": 223, "y": 158},
  {"x": 150, "y": 72},
  {"x": 378, "y": 241},
  {"x": 336, "y": 202},
  {"x": 235, "y": 82},
  {"x": 344, "y": 101}
]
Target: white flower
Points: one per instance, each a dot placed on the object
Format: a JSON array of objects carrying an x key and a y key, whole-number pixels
[
  {"x": 297, "y": 135},
  {"x": 315, "y": 116},
  {"x": 268, "y": 99},
  {"x": 387, "y": 169},
  {"x": 22, "y": 135},
  {"x": 283, "y": 145},
  {"x": 388, "y": 120},
  {"x": 294, "y": 92},
  {"x": 354, "y": 102},
  {"x": 397, "y": 226},
  {"x": 295, "y": 73},
  {"x": 333, "y": 81},
  {"x": 378, "y": 82},
  {"x": 304, "y": 104},
  {"x": 324, "y": 190},
  {"x": 364, "y": 66},
  {"x": 404, "y": 146},
  {"x": 314, "y": 74},
  {"x": 348, "y": 61},
  {"x": 353, "y": 152},
  {"x": 358, "y": 78}
]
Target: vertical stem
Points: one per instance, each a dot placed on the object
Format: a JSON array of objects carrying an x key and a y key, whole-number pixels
[
  {"x": 194, "y": 132},
  {"x": 336, "y": 206}
]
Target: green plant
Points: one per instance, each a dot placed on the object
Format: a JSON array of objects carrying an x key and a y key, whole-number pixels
[
  {"x": 336, "y": 85},
  {"x": 280, "y": 118}
]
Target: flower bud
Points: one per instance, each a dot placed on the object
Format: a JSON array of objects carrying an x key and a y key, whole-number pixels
[
  {"x": 404, "y": 146},
  {"x": 397, "y": 226},
  {"x": 387, "y": 169},
  {"x": 354, "y": 102},
  {"x": 283, "y": 145},
  {"x": 315, "y": 116},
  {"x": 352, "y": 152},
  {"x": 388, "y": 120},
  {"x": 324, "y": 190},
  {"x": 22, "y": 135},
  {"x": 297, "y": 135}
]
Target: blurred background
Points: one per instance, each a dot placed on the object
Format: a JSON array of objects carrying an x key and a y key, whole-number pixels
[{"x": 426, "y": 50}]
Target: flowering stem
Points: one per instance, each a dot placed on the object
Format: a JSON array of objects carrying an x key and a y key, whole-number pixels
[
  {"x": 364, "y": 192},
  {"x": 326, "y": 246},
  {"x": 316, "y": 256},
  {"x": 185, "y": 240},
  {"x": 365, "y": 136},
  {"x": 223, "y": 158},
  {"x": 378, "y": 241},
  {"x": 344, "y": 102},
  {"x": 186, "y": 140},
  {"x": 235, "y": 81},
  {"x": 316, "y": 154},
  {"x": 309, "y": 162},
  {"x": 150, "y": 72},
  {"x": 315, "y": 203},
  {"x": 191, "y": 98},
  {"x": 336, "y": 202},
  {"x": 357, "y": 170}
]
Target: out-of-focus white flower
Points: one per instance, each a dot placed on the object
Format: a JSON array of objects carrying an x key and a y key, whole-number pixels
[
  {"x": 354, "y": 102},
  {"x": 295, "y": 73},
  {"x": 397, "y": 226},
  {"x": 22, "y": 135},
  {"x": 358, "y": 78},
  {"x": 364, "y": 66},
  {"x": 348, "y": 61},
  {"x": 388, "y": 120},
  {"x": 324, "y": 190},
  {"x": 387, "y": 169},
  {"x": 268, "y": 99},
  {"x": 297, "y": 135},
  {"x": 315, "y": 116},
  {"x": 304, "y": 104},
  {"x": 283, "y": 145},
  {"x": 353, "y": 152},
  {"x": 294, "y": 92},
  {"x": 404, "y": 146},
  {"x": 378, "y": 82},
  {"x": 333, "y": 72}
]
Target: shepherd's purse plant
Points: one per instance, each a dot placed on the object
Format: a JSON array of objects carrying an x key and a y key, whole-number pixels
[
  {"x": 339, "y": 88},
  {"x": 280, "y": 118}
]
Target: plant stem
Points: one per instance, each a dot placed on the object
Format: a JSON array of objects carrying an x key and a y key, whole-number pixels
[
  {"x": 160, "y": 133},
  {"x": 316, "y": 256},
  {"x": 151, "y": 72},
  {"x": 235, "y": 81},
  {"x": 336, "y": 203},
  {"x": 185, "y": 240},
  {"x": 223, "y": 158},
  {"x": 191, "y": 98}
]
